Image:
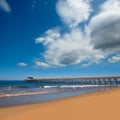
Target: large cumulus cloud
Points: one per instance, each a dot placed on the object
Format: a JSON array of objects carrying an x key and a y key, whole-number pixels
[
  {"x": 69, "y": 48},
  {"x": 105, "y": 31},
  {"x": 105, "y": 27},
  {"x": 99, "y": 38}
]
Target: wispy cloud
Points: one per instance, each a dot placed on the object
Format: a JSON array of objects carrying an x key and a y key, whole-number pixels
[
  {"x": 5, "y": 6},
  {"x": 33, "y": 3},
  {"x": 22, "y": 64},
  {"x": 39, "y": 64},
  {"x": 114, "y": 59},
  {"x": 98, "y": 39}
]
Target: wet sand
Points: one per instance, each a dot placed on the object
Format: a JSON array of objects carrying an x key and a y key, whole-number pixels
[{"x": 103, "y": 105}]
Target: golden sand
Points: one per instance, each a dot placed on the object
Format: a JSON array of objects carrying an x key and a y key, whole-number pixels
[{"x": 95, "y": 106}]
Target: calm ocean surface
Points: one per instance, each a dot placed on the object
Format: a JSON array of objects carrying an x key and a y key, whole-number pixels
[{"x": 20, "y": 92}]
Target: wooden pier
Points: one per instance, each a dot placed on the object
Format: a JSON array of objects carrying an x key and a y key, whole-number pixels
[{"x": 83, "y": 80}]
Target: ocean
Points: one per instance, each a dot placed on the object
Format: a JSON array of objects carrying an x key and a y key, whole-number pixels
[{"x": 20, "y": 92}]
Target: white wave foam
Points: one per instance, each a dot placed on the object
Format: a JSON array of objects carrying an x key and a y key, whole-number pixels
[
  {"x": 29, "y": 93},
  {"x": 80, "y": 86},
  {"x": 51, "y": 86}
]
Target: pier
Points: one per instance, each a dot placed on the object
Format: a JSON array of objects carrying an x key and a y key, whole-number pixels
[{"x": 83, "y": 80}]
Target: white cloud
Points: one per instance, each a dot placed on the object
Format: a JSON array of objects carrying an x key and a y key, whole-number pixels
[
  {"x": 71, "y": 47},
  {"x": 97, "y": 40},
  {"x": 4, "y": 6},
  {"x": 39, "y": 64},
  {"x": 68, "y": 48},
  {"x": 73, "y": 12},
  {"x": 49, "y": 37},
  {"x": 22, "y": 64},
  {"x": 113, "y": 5},
  {"x": 114, "y": 59},
  {"x": 105, "y": 31},
  {"x": 105, "y": 28}
]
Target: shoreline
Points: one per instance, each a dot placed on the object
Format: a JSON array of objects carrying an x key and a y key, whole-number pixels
[
  {"x": 25, "y": 99},
  {"x": 103, "y": 104},
  {"x": 94, "y": 93}
]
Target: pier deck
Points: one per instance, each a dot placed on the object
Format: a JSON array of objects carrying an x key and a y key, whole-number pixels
[{"x": 90, "y": 80}]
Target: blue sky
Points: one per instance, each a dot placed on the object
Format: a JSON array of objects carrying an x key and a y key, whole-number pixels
[{"x": 59, "y": 38}]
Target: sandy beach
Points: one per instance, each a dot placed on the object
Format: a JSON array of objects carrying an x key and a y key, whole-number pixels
[{"x": 103, "y": 105}]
